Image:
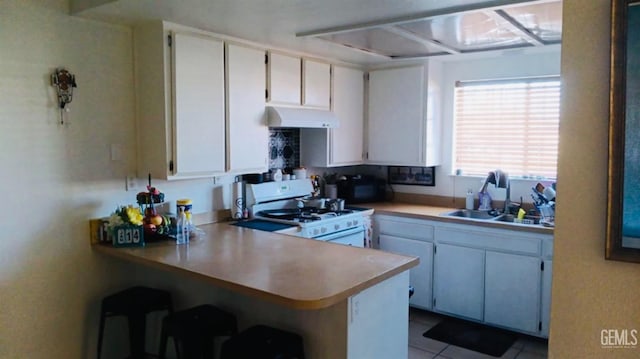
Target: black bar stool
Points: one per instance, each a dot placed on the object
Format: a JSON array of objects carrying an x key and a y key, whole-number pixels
[
  {"x": 134, "y": 303},
  {"x": 193, "y": 331},
  {"x": 263, "y": 342}
]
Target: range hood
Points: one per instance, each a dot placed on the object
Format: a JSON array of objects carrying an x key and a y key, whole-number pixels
[{"x": 297, "y": 117}]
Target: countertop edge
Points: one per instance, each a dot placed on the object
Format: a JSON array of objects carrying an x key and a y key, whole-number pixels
[
  {"x": 434, "y": 213},
  {"x": 294, "y": 303}
]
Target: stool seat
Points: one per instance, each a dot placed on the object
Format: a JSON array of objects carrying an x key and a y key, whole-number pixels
[
  {"x": 134, "y": 303},
  {"x": 194, "y": 329},
  {"x": 263, "y": 342}
]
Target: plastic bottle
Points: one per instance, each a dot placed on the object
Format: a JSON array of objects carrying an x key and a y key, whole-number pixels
[
  {"x": 182, "y": 228},
  {"x": 469, "y": 204},
  {"x": 276, "y": 174}
]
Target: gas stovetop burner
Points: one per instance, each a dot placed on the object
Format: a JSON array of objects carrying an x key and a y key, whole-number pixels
[{"x": 302, "y": 215}]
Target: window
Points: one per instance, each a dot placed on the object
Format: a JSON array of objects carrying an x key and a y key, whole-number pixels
[{"x": 510, "y": 125}]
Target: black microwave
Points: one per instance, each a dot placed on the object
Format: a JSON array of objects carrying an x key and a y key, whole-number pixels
[{"x": 362, "y": 189}]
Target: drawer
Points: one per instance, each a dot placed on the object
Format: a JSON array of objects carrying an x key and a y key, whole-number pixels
[
  {"x": 489, "y": 241},
  {"x": 407, "y": 229}
]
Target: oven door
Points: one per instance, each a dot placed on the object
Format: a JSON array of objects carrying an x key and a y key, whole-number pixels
[{"x": 350, "y": 237}]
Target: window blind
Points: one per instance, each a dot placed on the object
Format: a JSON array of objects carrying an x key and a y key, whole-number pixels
[{"x": 510, "y": 125}]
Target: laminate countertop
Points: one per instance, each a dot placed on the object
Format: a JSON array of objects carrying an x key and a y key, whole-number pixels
[
  {"x": 295, "y": 272},
  {"x": 421, "y": 211}
]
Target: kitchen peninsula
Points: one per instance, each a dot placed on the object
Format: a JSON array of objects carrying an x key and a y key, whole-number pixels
[{"x": 346, "y": 302}]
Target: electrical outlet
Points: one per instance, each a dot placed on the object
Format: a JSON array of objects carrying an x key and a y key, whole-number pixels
[{"x": 131, "y": 183}]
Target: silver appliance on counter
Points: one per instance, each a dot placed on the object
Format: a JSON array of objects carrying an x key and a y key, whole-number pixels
[{"x": 281, "y": 202}]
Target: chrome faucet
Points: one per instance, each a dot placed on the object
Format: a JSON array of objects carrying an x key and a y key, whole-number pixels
[{"x": 502, "y": 181}]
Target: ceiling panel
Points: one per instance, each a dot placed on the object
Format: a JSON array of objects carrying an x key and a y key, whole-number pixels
[
  {"x": 467, "y": 32},
  {"x": 544, "y": 19},
  {"x": 533, "y": 23},
  {"x": 383, "y": 42}
]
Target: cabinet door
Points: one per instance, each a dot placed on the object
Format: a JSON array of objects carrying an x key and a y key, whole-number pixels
[
  {"x": 284, "y": 80},
  {"x": 512, "y": 295},
  {"x": 458, "y": 279},
  {"x": 396, "y": 126},
  {"x": 248, "y": 134},
  {"x": 316, "y": 84},
  {"x": 545, "y": 308},
  {"x": 348, "y": 105},
  {"x": 198, "y": 118},
  {"x": 419, "y": 276}
]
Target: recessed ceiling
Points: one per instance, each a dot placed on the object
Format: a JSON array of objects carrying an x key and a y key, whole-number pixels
[{"x": 403, "y": 27}]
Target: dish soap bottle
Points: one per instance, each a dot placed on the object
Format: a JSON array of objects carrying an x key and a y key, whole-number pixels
[{"x": 469, "y": 204}]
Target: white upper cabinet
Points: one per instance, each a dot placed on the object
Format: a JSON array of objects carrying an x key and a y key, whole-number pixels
[
  {"x": 316, "y": 84},
  {"x": 340, "y": 146},
  {"x": 284, "y": 79},
  {"x": 292, "y": 81},
  {"x": 248, "y": 134},
  {"x": 402, "y": 129},
  {"x": 198, "y": 76},
  {"x": 348, "y": 105},
  {"x": 180, "y": 103}
]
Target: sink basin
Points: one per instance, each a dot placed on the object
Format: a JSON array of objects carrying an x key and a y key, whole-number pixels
[
  {"x": 489, "y": 217},
  {"x": 510, "y": 218},
  {"x": 471, "y": 213}
]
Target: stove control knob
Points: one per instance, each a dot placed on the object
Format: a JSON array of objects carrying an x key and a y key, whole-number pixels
[
  {"x": 355, "y": 222},
  {"x": 323, "y": 230},
  {"x": 316, "y": 232},
  {"x": 349, "y": 223},
  {"x": 336, "y": 227}
]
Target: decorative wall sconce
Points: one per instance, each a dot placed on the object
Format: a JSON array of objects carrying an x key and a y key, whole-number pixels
[{"x": 64, "y": 82}]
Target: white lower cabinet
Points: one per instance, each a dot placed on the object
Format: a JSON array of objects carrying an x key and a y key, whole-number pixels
[
  {"x": 458, "y": 281},
  {"x": 495, "y": 276},
  {"x": 513, "y": 296},
  {"x": 546, "y": 298},
  {"x": 413, "y": 238},
  {"x": 420, "y": 276}
]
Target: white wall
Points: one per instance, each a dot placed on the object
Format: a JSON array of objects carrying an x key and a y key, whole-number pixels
[
  {"x": 590, "y": 294},
  {"x": 55, "y": 178}
]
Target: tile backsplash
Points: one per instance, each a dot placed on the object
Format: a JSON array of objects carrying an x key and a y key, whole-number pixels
[{"x": 284, "y": 148}]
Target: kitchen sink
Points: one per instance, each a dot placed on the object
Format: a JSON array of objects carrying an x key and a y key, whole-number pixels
[
  {"x": 471, "y": 213},
  {"x": 490, "y": 216},
  {"x": 505, "y": 218}
]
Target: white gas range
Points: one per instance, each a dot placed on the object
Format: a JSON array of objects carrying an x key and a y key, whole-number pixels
[{"x": 278, "y": 202}]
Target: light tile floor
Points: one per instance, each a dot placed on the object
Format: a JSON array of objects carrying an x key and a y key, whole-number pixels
[{"x": 420, "y": 321}]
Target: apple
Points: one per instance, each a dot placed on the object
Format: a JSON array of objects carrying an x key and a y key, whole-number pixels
[
  {"x": 157, "y": 219},
  {"x": 149, "y": 227}
]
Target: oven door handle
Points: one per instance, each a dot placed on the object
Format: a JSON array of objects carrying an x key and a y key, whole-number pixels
[{"x": 346, "y": 232}]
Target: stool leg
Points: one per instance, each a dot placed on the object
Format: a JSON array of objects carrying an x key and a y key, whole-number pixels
[
  {"x": 100, "y": 333},
  {"x": 208, "y": 351},
  {"x": 137, "y": 326},
  {"x": 163, "y": 343}
]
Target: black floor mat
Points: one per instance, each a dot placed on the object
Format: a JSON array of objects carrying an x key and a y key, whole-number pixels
[{"x": 472, "y": 336}]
